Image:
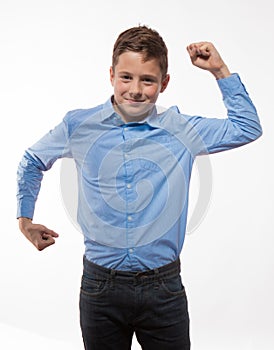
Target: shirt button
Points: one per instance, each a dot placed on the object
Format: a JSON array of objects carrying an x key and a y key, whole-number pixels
[
  {"x": 129, "y": 218},
  {"x": 131, "y": 250},
  {"x": 128, "y": 185},
  {"x": 126, "y": 129}
]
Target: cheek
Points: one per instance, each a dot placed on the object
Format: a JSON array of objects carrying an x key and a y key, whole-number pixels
[
  {"x": 119, "y": 87},
  {"x": 153, "y": 92}
]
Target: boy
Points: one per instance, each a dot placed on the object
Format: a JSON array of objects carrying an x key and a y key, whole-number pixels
[{"x": 133, "y": 165}]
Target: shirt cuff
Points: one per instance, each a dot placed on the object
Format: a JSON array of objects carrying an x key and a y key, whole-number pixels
[
  {"x": 25, "y": 210},
  {"x": 231, "y": 84}
]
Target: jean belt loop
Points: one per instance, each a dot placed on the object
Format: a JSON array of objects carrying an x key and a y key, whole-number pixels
[
  {"x": 112, "y": 275},
  {"x": 156, "y": 278}
]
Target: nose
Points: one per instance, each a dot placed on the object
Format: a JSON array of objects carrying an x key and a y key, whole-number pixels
[{"x": 135, "y": 90}]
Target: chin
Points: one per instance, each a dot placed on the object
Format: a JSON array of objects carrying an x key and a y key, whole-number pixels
[{"x": 136, "y": 110}]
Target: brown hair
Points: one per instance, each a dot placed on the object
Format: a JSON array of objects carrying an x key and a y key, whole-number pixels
[{"x": 145, "y": 40}]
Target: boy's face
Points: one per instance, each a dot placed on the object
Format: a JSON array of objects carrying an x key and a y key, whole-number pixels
[{"x": 137, "y": 85}]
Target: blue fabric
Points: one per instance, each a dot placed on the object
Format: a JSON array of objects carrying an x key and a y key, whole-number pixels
[{"x": 133, "y": 179}]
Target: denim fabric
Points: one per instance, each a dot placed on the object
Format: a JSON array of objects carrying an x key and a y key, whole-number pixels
[{"x": 115, "y": 304}]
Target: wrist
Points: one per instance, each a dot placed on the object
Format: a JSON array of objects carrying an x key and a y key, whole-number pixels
[
  {"x": 221, "y": 73},
  {"x": 24, "y": 222}
]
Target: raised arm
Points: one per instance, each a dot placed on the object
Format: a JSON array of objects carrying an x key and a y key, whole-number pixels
[{"x": 242, "y": 124}]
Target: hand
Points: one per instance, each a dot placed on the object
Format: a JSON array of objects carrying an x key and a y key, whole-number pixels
[
  {"x": 205, "y": 56},
  {"x": 40, "y": 236}
]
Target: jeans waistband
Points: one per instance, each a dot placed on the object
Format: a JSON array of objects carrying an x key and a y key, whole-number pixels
[{"x": 162, "y": 271}]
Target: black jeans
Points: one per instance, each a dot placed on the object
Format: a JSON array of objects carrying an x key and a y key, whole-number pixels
[{"x": 115, "y": 304}]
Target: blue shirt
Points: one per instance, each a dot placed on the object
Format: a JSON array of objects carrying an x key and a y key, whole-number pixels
[{"x": 133, "y": 179}]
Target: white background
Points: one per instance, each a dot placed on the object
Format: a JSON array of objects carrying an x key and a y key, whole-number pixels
[{"x": 55, "y": 56}]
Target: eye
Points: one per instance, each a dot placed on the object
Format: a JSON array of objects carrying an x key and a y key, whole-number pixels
[
  {"x": 125, "y": 77},
  {"x": 148, "y": 80}
]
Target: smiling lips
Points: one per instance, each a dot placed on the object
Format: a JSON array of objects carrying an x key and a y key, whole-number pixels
[{"x": 131, "y": 101}]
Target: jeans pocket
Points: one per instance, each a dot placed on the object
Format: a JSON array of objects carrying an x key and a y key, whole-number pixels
[
  {"x": 173, "y": 285},
  {"x": 92, "y": 286}
]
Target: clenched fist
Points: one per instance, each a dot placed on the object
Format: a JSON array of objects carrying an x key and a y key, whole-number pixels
[{"x": 205, "y": 56}]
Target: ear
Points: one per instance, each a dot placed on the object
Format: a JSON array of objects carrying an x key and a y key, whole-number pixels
[
  {"x": 164, "y": 83},
  {"x": 111, "y": 75}
]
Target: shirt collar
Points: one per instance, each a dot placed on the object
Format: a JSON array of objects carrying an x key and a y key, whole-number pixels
[{"x": 109, "y": 115}]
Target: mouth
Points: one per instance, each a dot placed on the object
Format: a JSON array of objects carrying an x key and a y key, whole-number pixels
[{"x": 134, "y": 102}]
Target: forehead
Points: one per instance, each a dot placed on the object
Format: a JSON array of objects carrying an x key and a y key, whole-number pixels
[{"x": 136, "y": 62}]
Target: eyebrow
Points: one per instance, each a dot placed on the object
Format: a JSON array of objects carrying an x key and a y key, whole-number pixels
[{"x": 151, "y": 76}]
